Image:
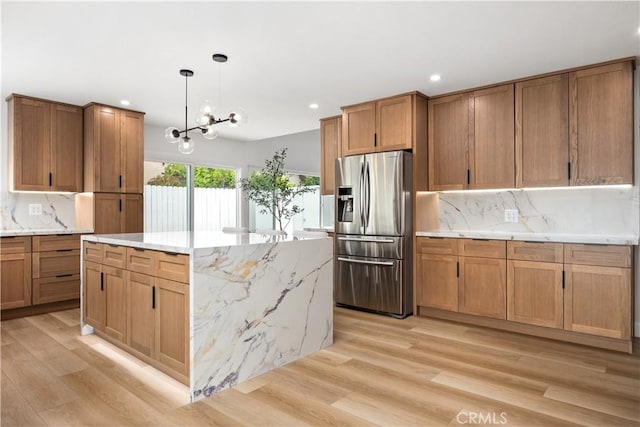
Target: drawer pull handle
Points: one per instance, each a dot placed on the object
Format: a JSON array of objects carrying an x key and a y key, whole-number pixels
[
  {"x": 113, "y": 246},
  {"x": 64, "y": 250},
  {"x": 138, "y": 249},
  {"x": 172, "y": 253},
  {"x": 64, "y": 275},
  {"x": 481, "y": 240}
]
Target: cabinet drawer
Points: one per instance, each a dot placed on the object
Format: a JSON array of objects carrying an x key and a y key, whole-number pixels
[
  {"x": 603, "y": 255},
  {"x": 172, "y": 266},
  {"x": 93, "y": 252},
  {"x": 141, "y": 260},
  {"x": 56, "y": 242},
  {"x": 58, "y": 263},
  {"x": 53, "y": 289},
  {"x": 535, "y": 251},
  {"x": 483, "y": 248},
  {"x": 437, "y": 246},
  {"x": 114, "y": 255},
  {"x": 15, "y": 245}
]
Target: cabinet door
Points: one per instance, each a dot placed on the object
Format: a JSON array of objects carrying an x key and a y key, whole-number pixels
[
  {"x": 107, "y": 213},
  {"x": 448, "y": 142},
  {"x": 542, "y": 132},
  {"x": 483, "y": 287},
  {"x": 330, "y": 139},
  {"x": 172, "y": 325},
  {"x": 132, "y": 213},
  {"x": 132, "y": 151},
  {"x": 115, "y": 324},
  {"x": 534, "y": 293},
  {"x": 437, "y": 285},
  {"x": 66, "y": 148},
  {"x": 94, "y": 296},
  {"x": 31, "y": 143},
  {"x": 491, "y": 138},
  {"x": 394, "y": 124},
  {"x": 358, "y": 129},
  {"x": 107, "y": 148},
  {"x": 15, "y": 276},
  {"x": 597, "y": 300},
  {"x": 140, "y": 322},
  {"x": 601, "y": 117}
]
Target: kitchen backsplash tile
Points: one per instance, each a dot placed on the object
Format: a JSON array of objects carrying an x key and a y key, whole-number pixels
[
  {"x": 605, "y": 210},
  {"x": 58, "y": 211}
]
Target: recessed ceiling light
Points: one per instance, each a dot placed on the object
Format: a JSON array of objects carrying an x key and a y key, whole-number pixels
[
  {"x": 124, "y": 102},
  {"x": 434, "y": 77},
  {"x": 313, "y": 106}
]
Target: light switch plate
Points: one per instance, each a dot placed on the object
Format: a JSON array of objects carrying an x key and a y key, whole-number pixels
[
  {"x": 35, "y": 209},
  {"x": 511, "y": 215}
]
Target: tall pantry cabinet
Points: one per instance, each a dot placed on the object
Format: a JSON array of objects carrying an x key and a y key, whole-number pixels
[{"x": 113, "y": 171}]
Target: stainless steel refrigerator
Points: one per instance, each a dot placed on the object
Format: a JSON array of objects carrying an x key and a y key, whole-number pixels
[{"x": 373, "y": 233}]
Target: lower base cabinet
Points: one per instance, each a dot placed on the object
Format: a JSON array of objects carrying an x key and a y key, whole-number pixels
[
  {"x": 15, "y": 272},
  {"x": 568, "y": 288},
  {"x": 147, "y": 314}
]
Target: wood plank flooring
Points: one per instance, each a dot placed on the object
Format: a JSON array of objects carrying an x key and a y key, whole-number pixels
[{"x": 380, "y": 371}]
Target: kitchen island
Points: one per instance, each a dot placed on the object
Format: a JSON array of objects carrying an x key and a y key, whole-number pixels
[{"x": 209, "y": 308}]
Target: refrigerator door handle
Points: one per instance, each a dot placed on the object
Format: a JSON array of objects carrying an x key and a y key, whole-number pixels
[
  {"x": 368, "y": 184},
  {"x": 361, "y": 196},
  {"x": 360, "y": 261},
  {"x": 372, "y": 240}
]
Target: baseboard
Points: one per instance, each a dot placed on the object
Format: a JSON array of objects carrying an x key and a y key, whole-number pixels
[{"x": 14, "y": 313}]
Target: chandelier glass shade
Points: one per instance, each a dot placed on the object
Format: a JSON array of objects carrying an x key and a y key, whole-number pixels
[{"x": 206, "y": 118}]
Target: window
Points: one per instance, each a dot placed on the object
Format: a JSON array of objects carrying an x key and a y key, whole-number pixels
[{"x": 170, "y": 186}]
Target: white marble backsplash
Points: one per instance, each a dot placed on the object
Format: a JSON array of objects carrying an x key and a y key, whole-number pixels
[
  {"x": 605, "y": 210},
  {"x": 58, "y": 211},
  {"x": 257, "y": 307}
]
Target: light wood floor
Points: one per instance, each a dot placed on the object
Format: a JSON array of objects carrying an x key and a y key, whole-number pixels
[{"x": 380, "y": 371}]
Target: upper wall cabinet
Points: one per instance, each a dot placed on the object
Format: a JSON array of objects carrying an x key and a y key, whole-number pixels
[
  {"x": 384, "y": 125},
  {"x": 45, "y": 145},
  {"x": 114, "y": 149},
  {"x": 491, "y": 138},
  {"x": 471, "y": 140},
  {"x": 330, "y": 141},
  {"x": 448, "y": 142},
  {"x": 601, "y": 124},
  {"x": 542, "y": 132}
]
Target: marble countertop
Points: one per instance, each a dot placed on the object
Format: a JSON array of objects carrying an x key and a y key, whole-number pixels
[
  {"x": 611, "y": 239},
  {"x": 44, "y": 231},
  {"x": 186, "y": 241}
]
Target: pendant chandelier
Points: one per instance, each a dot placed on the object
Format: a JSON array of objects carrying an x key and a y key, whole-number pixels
[{"x": 206, "y": 119}]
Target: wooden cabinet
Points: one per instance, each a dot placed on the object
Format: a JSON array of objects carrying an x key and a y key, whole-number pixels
[
  {"x": 133, "y": 301},
  {"x": 462, "y": 275},
  {"x": 448, "y": 142},
  {"x": 491, "y": 138},
  {"x": 94, "y": 296},
  {"x": 114, "y": 149},
  {"x": 110, "y": 213},
  {"x": 330, "y": 147},
  {"x": 15, "y": 272},
  {"x": 45, "y": 145},
  {"x": 483, "y": 278},
  {"x": 141, "y": 306},
  {"x": 598, "y": 289},
  {"x": 471, "y": 140},
  {"x": 542, "y": 132},
  {"x": 535, "y": 283},
  {"x": 389, "y": 124},
  {"x": 601, "y": 124},
  {"x": 172, "y": 325}
]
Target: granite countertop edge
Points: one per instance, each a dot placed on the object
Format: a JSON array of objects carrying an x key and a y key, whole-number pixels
[
  {"x": 608, "y": 239},
  {"x": 43, "y": 232}
]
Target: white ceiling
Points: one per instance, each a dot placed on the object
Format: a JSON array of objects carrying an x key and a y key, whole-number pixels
[{"x": 285, "y": 55}]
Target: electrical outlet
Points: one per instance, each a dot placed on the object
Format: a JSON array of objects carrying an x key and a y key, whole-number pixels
[
  {"x": 35, "y": 209},
  {"x": 511, "y": 215}
]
